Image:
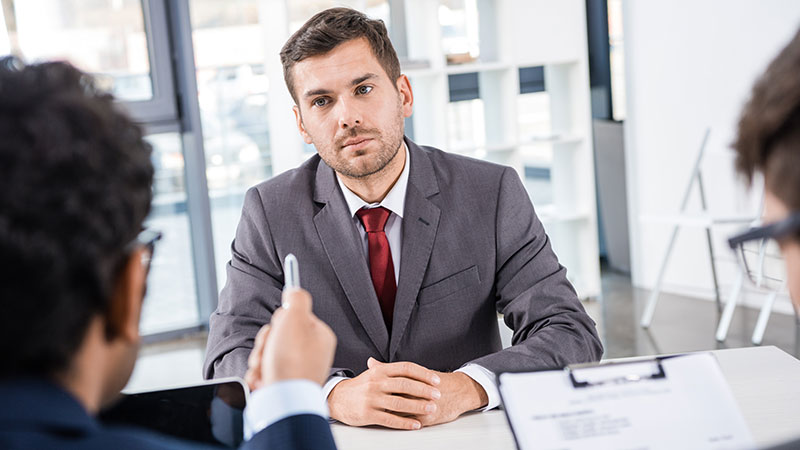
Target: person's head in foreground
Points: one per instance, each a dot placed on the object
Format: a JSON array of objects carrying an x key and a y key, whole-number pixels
[
  {"x": 75, "y": 177},
  {"x": 75, "y": 189},
  {"x": 768, "y": 142}
]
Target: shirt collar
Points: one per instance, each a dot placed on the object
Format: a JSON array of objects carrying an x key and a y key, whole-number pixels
[{"x": 394, "y": 201}]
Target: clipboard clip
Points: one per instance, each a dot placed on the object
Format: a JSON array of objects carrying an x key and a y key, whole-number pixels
[{"x": 614, "y": 372}]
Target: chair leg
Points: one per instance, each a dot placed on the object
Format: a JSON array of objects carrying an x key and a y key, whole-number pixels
[
  {"x": 709, "y": 241},
  {"x": 647, "y": 316},
  {"x": 727, "y": 313},
  {"x": 763, "y": 317}
]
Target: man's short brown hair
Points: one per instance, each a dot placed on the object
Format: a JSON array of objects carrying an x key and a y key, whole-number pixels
[
  {"x": 768, "y": 139},
  {"x": 332, "y": 27}
]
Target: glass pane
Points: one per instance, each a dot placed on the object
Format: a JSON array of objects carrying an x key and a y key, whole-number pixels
[
  {"x": 104, "y": 37},
  {"x": 233, "y": 94},
  {"x": 171, "y": 297},
  {"x": 459, "y": 22}
]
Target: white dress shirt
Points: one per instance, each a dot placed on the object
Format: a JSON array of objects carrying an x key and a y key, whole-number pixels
[
  {"x": 395, "y": 202},
  {"x": 280, "y": 400}
]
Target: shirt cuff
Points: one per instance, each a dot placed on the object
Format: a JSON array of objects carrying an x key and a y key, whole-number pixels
[
  {"x": 280, "y": 400},
  {"x": 332, "y": 382},
  {"x": 486, "y": 379}
]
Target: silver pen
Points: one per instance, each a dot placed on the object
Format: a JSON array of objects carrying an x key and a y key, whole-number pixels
[{"x": 291, "y": 271}]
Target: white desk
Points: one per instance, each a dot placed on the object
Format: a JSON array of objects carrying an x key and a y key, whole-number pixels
[{"x": 764, "y": 380}]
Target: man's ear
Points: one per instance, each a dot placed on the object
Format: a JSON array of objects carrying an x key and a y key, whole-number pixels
[
  {"x": 406, "y": 95},
  {"x": 126, "y": 302},
  {"x": 300, "y": 127}
]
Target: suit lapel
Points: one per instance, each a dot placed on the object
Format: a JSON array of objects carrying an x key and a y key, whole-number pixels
[
  {"x": 341, "y": 242},
  {"x": 420, "y": 222}
]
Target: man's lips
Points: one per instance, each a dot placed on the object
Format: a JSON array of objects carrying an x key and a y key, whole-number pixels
[{"x": 356, "y": 143}]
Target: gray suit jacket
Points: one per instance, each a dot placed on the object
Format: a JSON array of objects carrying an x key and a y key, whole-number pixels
[{"x": 472, "y": 246}]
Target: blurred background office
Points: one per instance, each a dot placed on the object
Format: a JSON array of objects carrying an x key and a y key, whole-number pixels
[{"x": 608, "y": 109}]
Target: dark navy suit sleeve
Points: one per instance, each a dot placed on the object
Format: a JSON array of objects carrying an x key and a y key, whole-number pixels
[{"x": 300, "y": 432}]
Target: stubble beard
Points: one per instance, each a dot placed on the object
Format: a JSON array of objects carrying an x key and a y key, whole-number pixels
[{"x": 389, "y": 147}]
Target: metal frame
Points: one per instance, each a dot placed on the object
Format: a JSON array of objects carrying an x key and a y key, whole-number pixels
[
  {"x": 735, "y": 293},
  {"x": 162, "y": 107},
  {"x": 174, "y": 108},
  {"x": 647, "y": 316},
  {"x": 180, "y": 40}
]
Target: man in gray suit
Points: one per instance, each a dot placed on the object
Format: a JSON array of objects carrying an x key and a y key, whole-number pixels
[{"x": 408, "y": 251}]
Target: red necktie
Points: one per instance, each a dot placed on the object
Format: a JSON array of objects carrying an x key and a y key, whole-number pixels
[{"x": 381, "y": 267}]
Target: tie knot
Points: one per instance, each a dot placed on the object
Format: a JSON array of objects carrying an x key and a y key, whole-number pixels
[{"x": 373, "y": 219}]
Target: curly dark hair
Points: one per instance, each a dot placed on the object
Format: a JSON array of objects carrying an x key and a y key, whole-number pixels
[
  {"x": 75, "y": 188},
  {"x": 768, "y": 139},
  {"x": 327, "y": 29}
]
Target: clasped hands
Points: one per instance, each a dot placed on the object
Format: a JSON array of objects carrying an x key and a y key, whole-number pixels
[
  {"x": 404, "y": 395},
  {"x": 400, "y": 395}
]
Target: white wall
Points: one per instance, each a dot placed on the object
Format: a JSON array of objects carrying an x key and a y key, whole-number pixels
[{"x": 690, "y": 64}]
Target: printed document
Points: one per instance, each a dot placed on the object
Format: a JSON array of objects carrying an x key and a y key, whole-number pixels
[{"x": 677, "y": 402}]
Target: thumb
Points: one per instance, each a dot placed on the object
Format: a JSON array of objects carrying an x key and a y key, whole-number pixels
[
  {"x": 372, "y": 362},
  {"x": 297, "y": 299}
]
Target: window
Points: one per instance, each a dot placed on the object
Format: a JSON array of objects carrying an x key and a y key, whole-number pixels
[
  {"x": 233, "y": 94},
  {"x": 110, "y": 39},
  {"x": 105, "y": 38},
  {"x": 171, "y": 295},
  {"x": 124, "y": 44}
]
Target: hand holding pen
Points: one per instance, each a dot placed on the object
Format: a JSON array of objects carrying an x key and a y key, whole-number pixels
[{"x": 295, "y": 344}]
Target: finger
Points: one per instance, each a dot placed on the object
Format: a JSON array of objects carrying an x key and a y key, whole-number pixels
[
  {"x": 258, "y": 347},
  {"x": 411, "y": 370},
  {"x": 260, "y": 340},
  {"x": 296, "y": 298},
  {"x": 390, "y": 420},
  {"x": 426, "y": 420},
  {"x": 411, "y": 388},
  {"x": 398, "y": 404},
  {"x": 252, "y": 380},
  {"x": 372, "y": 362}
]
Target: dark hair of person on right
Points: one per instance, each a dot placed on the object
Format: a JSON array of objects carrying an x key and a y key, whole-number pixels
[
  {"x": 334, "y": 26},
  {"x": 75, "y": 188},
  {"x": 768, "y": 139}
]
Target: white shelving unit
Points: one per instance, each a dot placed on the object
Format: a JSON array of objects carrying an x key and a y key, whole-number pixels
[{"x": 516, "y": 34}]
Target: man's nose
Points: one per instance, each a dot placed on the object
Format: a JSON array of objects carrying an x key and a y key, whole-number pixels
[{"x": 349, "y": 114}]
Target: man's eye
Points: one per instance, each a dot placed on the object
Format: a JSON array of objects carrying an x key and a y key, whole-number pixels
[
  {"x": 322, "y": 101},
  {"x": 363, "y": 90}
]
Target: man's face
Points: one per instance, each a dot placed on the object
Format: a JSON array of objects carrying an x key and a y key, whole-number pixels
[
  {"x": 350, "y": 110},
  {"x": 774, "y": 211},
  {"x": 126, "y": 313}
]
